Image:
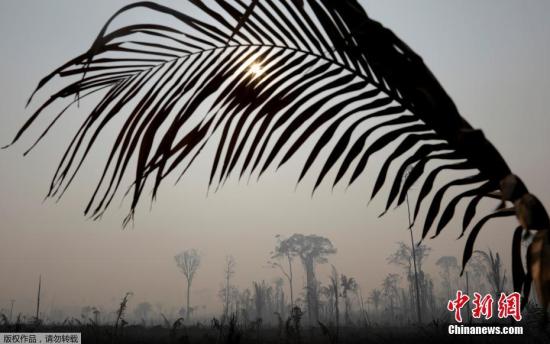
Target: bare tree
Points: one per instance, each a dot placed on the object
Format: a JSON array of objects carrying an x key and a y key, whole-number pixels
[
  {"x": 229, "y": 271},
  {"x": 410, "y": 223},
  {"x": 188, "y": 261},
  {"x": 283, "y": 252},
  {"x": 411, "y": 259}
]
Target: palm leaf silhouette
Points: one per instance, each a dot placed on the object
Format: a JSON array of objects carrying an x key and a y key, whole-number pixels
[{"x": 264, "y": 78}]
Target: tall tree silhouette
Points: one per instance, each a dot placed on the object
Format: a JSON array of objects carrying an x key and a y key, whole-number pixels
[
  {"x": 227, "y": 289},
  {"x": 262, "y": 80},
  {"x": 283, "y": 251},
  {"x": 312, "y": 250},
  {"x": 411, "y": 259},
  {"x": 348, "y": 284},
  {"x": 188, "y": 261}
]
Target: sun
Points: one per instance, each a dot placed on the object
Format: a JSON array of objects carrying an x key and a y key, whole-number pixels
[{"x": 256, "y": 69}]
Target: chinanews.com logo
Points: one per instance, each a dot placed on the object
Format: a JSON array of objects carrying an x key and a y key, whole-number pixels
[{"x": 508, "y": 306}]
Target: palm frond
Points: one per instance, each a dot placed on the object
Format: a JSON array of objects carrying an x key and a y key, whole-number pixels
[{"x": 262, "y": 79}]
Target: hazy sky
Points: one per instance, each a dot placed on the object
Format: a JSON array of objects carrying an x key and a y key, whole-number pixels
[{"x": 493, "y": 57}]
